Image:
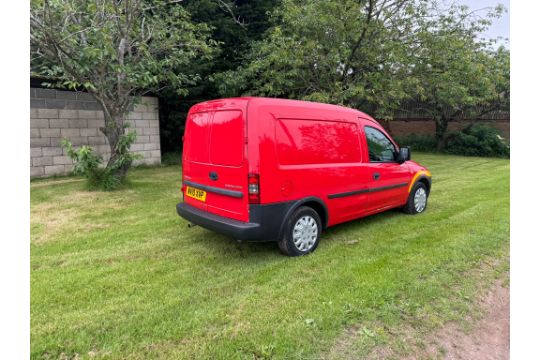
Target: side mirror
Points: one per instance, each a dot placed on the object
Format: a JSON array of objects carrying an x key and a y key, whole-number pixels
[{"x": 404, "y": 154}]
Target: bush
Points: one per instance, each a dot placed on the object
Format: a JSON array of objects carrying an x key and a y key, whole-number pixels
[
  {"x": 477, "y": 140},
  {"x": 417, "y": 142},
  {"x": 89, "y": 164}
]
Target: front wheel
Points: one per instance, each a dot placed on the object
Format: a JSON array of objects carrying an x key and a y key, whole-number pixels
[
  {"x": 418, "y": 198},
  {"x": 302, "y": 232}
]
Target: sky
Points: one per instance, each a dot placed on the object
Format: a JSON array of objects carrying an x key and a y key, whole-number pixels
[{"x": 501, "y": 26}]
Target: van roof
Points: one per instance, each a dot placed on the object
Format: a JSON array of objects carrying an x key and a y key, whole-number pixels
[{"x": 279, "y": 101}]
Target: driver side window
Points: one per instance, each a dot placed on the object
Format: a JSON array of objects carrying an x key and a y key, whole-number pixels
[{"x": 381, "y": 149}]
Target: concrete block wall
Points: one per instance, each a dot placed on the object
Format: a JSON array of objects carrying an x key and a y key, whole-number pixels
[{"x": 56, "y": 114}]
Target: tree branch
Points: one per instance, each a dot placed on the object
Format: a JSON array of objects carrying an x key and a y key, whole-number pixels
[{"x": 227, "y": 7}]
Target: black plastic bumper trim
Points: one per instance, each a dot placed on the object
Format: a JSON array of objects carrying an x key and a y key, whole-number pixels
[{"x": 234, "y": 228}]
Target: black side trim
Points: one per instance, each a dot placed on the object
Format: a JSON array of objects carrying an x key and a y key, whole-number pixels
[
  {"x": 356, "y": 192},
  {"x": 231, "y": 193},
  {"x": 382, "y": 188},
  {"x": 348, "y": 193}
]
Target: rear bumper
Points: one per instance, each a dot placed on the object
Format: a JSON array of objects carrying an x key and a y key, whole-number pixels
[
  {"x": 234, "y": 228},
  {"x": 265, "y": 221}
]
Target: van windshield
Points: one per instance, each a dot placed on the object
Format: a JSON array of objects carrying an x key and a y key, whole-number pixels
[{"x": 215, "y": 138}]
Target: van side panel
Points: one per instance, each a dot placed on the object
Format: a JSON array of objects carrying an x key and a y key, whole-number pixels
[
  {"x": 303, "y": 142},
  {"x": 309, "y": 153}
]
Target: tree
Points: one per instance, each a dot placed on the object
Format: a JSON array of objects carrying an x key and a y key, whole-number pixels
[
  {"x": 458, "y": 74},
  {"x": 344, "y": 52},
  {"x": 118, "y": 50},
  {"x": 378, "y": 55}
]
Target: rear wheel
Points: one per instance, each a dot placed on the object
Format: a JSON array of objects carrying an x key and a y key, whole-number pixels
[
  {"x": 417, "y": 201},
  {"x": 302, "y": 232}
]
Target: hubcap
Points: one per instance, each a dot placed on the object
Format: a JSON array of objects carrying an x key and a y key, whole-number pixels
[
  {"x": 305, "y": 233},
  {"x": 420, "y": 198}
]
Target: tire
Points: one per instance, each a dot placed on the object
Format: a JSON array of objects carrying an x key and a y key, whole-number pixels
[
  {"x": 420, "y": 191},
  {"x": 302, "y": 232}
]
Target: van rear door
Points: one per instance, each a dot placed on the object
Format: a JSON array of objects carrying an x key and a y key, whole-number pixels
[{"x": 215, "y": 168}]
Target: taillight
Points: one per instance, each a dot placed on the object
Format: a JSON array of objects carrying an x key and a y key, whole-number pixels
[{"x": 254, "y": 195}]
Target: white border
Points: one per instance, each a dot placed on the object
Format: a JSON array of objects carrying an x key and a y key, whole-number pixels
[
  {"x": 525, "y": 160},
  {"x": 15, "y": 174},
  {"x": 525, "y": 165}
]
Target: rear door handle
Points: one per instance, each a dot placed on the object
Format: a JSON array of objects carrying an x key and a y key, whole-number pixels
[{"x": 376, "y": 176}]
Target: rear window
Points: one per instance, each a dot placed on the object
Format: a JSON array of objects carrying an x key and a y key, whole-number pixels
[
  {"x": 316, "y": 142},
  {"x": 215, "y": 138}
]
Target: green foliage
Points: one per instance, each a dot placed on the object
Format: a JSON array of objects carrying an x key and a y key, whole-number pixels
[
  {"x": 473, "y": 140},
  {"x": 378, "y": 56},
  {"x": 343, "y": 52},
  {"x": 132, "y": 46},
  {"x": 458, "y": 73},
  {"x": 374, "y": 55},
  {"x": 89, "y": 164},
  {"x": 124, "y": 157},
  {"x": 477, "y": 140},
  {"x": 417, "y": 142},
  {"x": 86, "y": 160}
]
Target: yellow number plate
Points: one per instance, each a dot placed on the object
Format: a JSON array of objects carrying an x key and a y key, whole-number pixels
[{"x": 196, "y": 193}]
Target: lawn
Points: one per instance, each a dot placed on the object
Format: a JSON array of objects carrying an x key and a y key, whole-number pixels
[{"x": 120, "y": 275}]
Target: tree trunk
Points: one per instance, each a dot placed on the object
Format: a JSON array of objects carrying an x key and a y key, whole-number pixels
[
  {"x": 441, "y": 125},
  {"x": 113, "y": 130}
]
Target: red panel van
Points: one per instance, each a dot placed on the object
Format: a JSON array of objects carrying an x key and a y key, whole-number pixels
[{"x": 261, "y": 169}]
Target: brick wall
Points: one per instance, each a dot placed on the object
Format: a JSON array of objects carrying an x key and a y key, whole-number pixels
[
  {"x": 399, "y": 127},
  {"x": 76, "y": 116}
]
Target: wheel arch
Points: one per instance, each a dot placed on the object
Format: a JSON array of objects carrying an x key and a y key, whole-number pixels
[
  {"x": 313, "y": 202},
  {"x": 426, "y": 181}
]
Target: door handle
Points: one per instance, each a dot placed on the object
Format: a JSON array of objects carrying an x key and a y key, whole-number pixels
[
  {"x": 376, "y": 176},
  {"x": 213, "y": 175}
]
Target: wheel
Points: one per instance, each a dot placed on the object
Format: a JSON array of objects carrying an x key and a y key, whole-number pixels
[
  {"x": 418, "y": 198},
  {"x": 302, "y": 232}
]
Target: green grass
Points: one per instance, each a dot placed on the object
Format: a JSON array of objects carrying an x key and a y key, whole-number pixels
[{"x": 119, "y": 275}]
